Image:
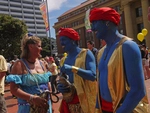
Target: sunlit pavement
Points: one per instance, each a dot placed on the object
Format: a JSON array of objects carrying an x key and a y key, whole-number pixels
[{"x": 12, "y": 103}]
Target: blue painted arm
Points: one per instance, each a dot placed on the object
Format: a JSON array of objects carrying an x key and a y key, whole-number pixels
[
  {"x": 135, "y": 77},
  {"x": 89, "y": 73}
]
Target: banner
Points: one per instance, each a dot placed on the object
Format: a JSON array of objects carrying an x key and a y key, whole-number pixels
[
  {"x": 87, "y": 21},
  {"x": 43, "y": 10}
]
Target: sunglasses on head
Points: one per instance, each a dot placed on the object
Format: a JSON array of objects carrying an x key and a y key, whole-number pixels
[{"x": 30, "y": 34}]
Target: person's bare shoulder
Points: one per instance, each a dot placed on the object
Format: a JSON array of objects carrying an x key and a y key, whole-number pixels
[
  {"x": 130, "y": 45},
  {"x": 18, "y": 68}
]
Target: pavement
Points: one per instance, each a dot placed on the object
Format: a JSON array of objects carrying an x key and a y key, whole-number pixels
[
  {"x": 12, "y": 106},
  {"x": 12, "y": 103}
]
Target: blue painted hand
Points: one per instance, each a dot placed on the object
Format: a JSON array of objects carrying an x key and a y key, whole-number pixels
[
  {"x": 65, "y": 68},
  {"x": 63, "y": 88}
]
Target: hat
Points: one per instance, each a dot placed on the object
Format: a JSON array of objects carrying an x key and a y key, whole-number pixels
[
  {"x": 51, "y": 59},
  {"x": 70, "y": 33},
  {"x": 105, "y": 13}
]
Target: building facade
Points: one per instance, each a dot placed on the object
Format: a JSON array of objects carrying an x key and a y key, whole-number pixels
[
  {"x": 133, "y": 19},
  {"x": 28, "y": 11}
]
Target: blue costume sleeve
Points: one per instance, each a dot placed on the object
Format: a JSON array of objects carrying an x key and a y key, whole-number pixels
[
  {"x": 135, "y": 78},
  {"x": 14, "y": 78}
]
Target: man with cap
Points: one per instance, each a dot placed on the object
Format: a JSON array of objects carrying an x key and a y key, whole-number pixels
[
  {"x": 79, "y": 66},
  {"x": 120, "y": 80}
]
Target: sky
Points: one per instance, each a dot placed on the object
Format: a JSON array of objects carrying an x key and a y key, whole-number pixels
[{"x": 57, "y": 8}]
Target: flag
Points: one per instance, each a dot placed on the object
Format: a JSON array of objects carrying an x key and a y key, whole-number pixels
[
  {"x": 87, "y": 21},
  {"x": 43, "y": 10}
]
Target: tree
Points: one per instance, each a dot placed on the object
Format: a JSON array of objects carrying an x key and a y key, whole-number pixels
[
  {"x": 46, "y": 47},
  {"x": 11, "y": 32}
]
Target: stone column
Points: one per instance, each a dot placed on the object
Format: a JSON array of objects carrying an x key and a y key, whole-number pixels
[
  {"x": 128, "y": 19},
  {"x": 145, "y": 5}
]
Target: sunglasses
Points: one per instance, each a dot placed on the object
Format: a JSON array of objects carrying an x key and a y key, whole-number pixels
[{"x": 30, "y": 34}]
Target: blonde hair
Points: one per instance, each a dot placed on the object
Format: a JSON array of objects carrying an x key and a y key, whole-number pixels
[{"x": 26, "y": 40}]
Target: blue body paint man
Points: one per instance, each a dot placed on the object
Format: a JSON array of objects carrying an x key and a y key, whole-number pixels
[
  {"x": 104, "y": 23},
  {"x": 81, "y": 71}
]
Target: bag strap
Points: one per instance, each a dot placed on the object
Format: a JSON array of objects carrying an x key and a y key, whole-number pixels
[{"x": 27, "y": 67}]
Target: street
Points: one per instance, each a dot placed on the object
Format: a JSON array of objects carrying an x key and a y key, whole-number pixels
[{"x": 12, "y": 103}]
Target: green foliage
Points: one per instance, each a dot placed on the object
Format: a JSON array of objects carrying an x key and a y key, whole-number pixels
[
  {"x": 11, "y": 32},
  {"x": 46, "y": 47}
]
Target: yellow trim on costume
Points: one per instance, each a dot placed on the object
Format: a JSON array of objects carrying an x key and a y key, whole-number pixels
[
  {"x": 75, "y": 69},
  {"x": 86, "y": 89}
]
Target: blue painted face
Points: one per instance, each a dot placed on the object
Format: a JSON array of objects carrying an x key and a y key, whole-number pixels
[
  {"x": 100, "y": 28},
  {"x": 66, "y": 43}
]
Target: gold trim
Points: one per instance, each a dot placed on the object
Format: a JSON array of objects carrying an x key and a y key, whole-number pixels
[{"x": 75, "y": 69}]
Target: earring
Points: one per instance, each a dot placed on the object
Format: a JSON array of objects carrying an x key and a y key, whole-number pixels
[
  {"x": 107, "y": 23},
  {"x": 73, "y": 43}
]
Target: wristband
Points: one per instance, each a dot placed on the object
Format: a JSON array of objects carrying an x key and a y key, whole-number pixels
[
  {"x": 75, "y": 69},
  {"x": 31, "y": 98}
]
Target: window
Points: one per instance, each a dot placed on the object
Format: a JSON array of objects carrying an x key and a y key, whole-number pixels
[
  {"x": 27, "y": 2},
  {"x": 40, "y": 18},
  {"x": 27, "y": 17},
  {"x": 27, "y": 12},
  {"x": 40, "y": 32},
  {"x": 15, "y": 1},
  {"x": 40, "y": 23},
  {"x": 4, "y": 9},
  {"x": 31, "y": 27},
  {"x": 138, "y": 12},
  {"x": 36, "y": 3},
  {"x": 40, "y": 27},
  {"x": 27, "y": 7},
  {"x": 80, "y": 43},
  {"x": 16, "y": 6},
  {"x": 37, "y": 8},
  {"x": 140, "y": 27},
  {"x": 117, "y": 8},
  {"x": 121, "y": 19},
  {"x": 2, "y": 4},
  {"x": 16, "y": 16},
  {"x": 16, "y": 11},
  {"x": 28, "y": 22},
  {"x": 38, "y": 13}
]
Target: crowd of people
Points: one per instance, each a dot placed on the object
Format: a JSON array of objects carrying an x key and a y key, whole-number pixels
[
  {"x": 145, "y": 60},
  {"x": 110, "y": 80}
]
